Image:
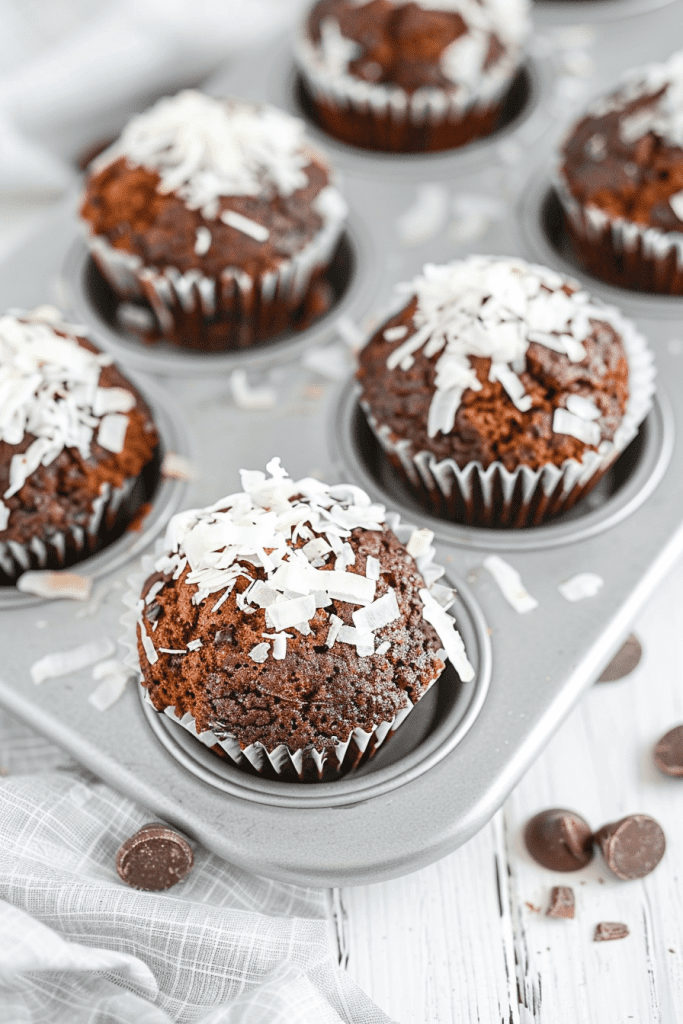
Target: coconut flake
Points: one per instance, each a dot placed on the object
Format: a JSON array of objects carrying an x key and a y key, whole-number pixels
[
  {"x": 177, "y": 467},
  {"x": 290, "y": 612},
  {"x": 378, "y": 614},
  {"x": 362, "y": 640},
  {"x": 171, "y": 650},
  {"x": 247, "y": 397},
  {"x": 383, "y": 647},
  {"x": 202, "y": 241},
  {"x": 395, "y": 333},
  {"x": 676, "y": 204},
  {"x": 194, "y": 645},
  {"x": 112, "y": 400},
  {"x": 426, "y": 217},
  {"x": 420, "y": 542},
  {"x": 259, "y": 653},
  {"x": 279, "y": 644},
  {"x": 4, "y": 515},
  {"x": 565, "y": 422},
  {"x": 316, "y": 549},
  {"x": 112, "y": 432},
  {"x": 583, "y": 407},
  {"x": 148, "y": 646},
  {"x": 584, "y": 584},
  {"x": 510, "y": 583},
  {"x": 333, "y": 632},
  {"x": 372, "y": 567},
  {"x": 244, "y": 224},
  {"x": 64, "y": 663},
  {"x": 114, "y": 676},
  {"x": 444, "y": 625},
  {"x": 45, "y": 583}
]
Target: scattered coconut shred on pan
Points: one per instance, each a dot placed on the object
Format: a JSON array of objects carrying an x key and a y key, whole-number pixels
[
  {"x": 45, "y": 583},
  {"x": 64, "y": 663},
  {"x": 510, "y": 583}
]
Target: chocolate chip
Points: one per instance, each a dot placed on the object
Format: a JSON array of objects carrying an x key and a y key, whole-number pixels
[
  {"x": 153, "y": 611},
  {"x": 559, "y": 839},
  {"x": 668, "y": 753},
  {"x": 624, "y": 661},
  {"x": 154, "y": 858},
  {"x": 225, "y": 636},
  {"x": 561, "y": 902},
  {"x": 606, "y": 931},
  {"x": 633, "y": 846}
]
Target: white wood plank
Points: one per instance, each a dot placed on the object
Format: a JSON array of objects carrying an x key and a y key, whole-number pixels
[{"x": 434, "y": 947}]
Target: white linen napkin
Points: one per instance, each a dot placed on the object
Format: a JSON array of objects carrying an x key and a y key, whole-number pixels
[{"x": 77, "y": 946}]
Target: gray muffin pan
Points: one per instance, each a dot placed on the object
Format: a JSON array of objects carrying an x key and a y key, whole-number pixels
[{"x": 464, "y": 747}]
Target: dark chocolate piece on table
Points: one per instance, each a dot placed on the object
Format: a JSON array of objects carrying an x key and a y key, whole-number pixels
[
  {"x": 633, "y": 846},
  {"x": 155, "y": 858},
  {"x": 559, "y": 839},
  {"x": 606, "y": 931},
  {"x": 668, "y": 753},
  {"x": 561, "y": 902},
  {"x": 624, "y": 661}
]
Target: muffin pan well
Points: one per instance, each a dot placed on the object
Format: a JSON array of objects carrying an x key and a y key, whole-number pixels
[{"x": 435, "y": 784}]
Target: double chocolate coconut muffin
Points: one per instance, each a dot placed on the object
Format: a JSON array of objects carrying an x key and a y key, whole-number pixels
[
  {"x": 411, "y": 77},
  {"x": 501, "y": 391},
  {"x": 218, "y": 215},
  {"x": 75, "y": 439},
  {"x": 288, "y": 628},
  {"x": 620, "y": 182}
]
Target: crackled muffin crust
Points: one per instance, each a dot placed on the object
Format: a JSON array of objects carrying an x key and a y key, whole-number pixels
[
  {"x": 623, "y": 162},
  {"x": 330, "y": 629},
  {"x": 493, "y": 395},
  {"x": 73, "y": 430}
]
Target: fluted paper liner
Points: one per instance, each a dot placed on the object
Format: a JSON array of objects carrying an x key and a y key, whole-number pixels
[
  {"x": 658, "y": 252},
  {"x": 496, "y": 496},
  {"x": 51, "y": 550},
  {"x": 308, "y": 764},
  {"x": 390, "y": 105},
  {"x": 263, "y": 304}
]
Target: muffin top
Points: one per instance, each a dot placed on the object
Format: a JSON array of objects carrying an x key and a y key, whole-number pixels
[
  {"x": 70, "y": 424},
  {"x": 495, "y": 359},
  {"x": 626, "y": 155},
  {"x": 290, "y": 613},
  {"x": 465, "y": 47},
  {"x": 202, "y": 183}
]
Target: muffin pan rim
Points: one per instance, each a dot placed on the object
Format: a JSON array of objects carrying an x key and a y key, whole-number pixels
[
  {"x": 178, "y": 361},
  {"x": 531, "y": 214},
  {"x": 165, "y": 503},
  {"x": 279, "y": 88},
  {"x": 571, "y": 12},
  {"x": 641, "y": 484},
  {"x": 368, "y": 782}
]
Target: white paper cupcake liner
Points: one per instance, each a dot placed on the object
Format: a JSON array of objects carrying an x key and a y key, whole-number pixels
[
  {"x": 54, "y": 549},
  {"x": 644, "y": 252},
  {"x": 260, "y": 303},
  {"x": 496, "y": 496},
  {"x": 282, "y": 763},
  {"x": 428, "y": 105}
]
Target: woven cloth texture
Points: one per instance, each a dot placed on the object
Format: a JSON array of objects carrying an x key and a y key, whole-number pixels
[{"x": 77, "y": 946}]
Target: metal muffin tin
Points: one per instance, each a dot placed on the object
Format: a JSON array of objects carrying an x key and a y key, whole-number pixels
[{"x": 464, "y": 747}]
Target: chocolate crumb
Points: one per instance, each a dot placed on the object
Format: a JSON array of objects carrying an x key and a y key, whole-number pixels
[
  {"x": 533, "y": 907},
  {"x": 561, "y": 902},
  {"x": 559, "y": 839},
  {"x": 668, "y": 753},
  {"x": 624, "y": 661},
  {"x": 155, "y": 858},
  {"x": 606, "y": 931},
  {"x": 633, "y": 846}
]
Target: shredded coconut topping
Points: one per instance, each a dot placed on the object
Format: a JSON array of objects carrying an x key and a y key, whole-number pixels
[
  {"x": 258, "y": 527},
  {"x": 664, "y": 115},
  {"x": 204, "y": 148},
  {"x": 49, "y": 388},
  {"x": 491, "y": 307}
]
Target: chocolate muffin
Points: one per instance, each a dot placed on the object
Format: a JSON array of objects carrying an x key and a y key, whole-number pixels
[
  {"x": 501, "y": 392},
  {"x": 289, "y": 629},
  {"x": 75, "y": 437},
  {"x": 411, "y": 77},
  {"x": 220, "y": 216},
  {"x": 621, "y": 182}
]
